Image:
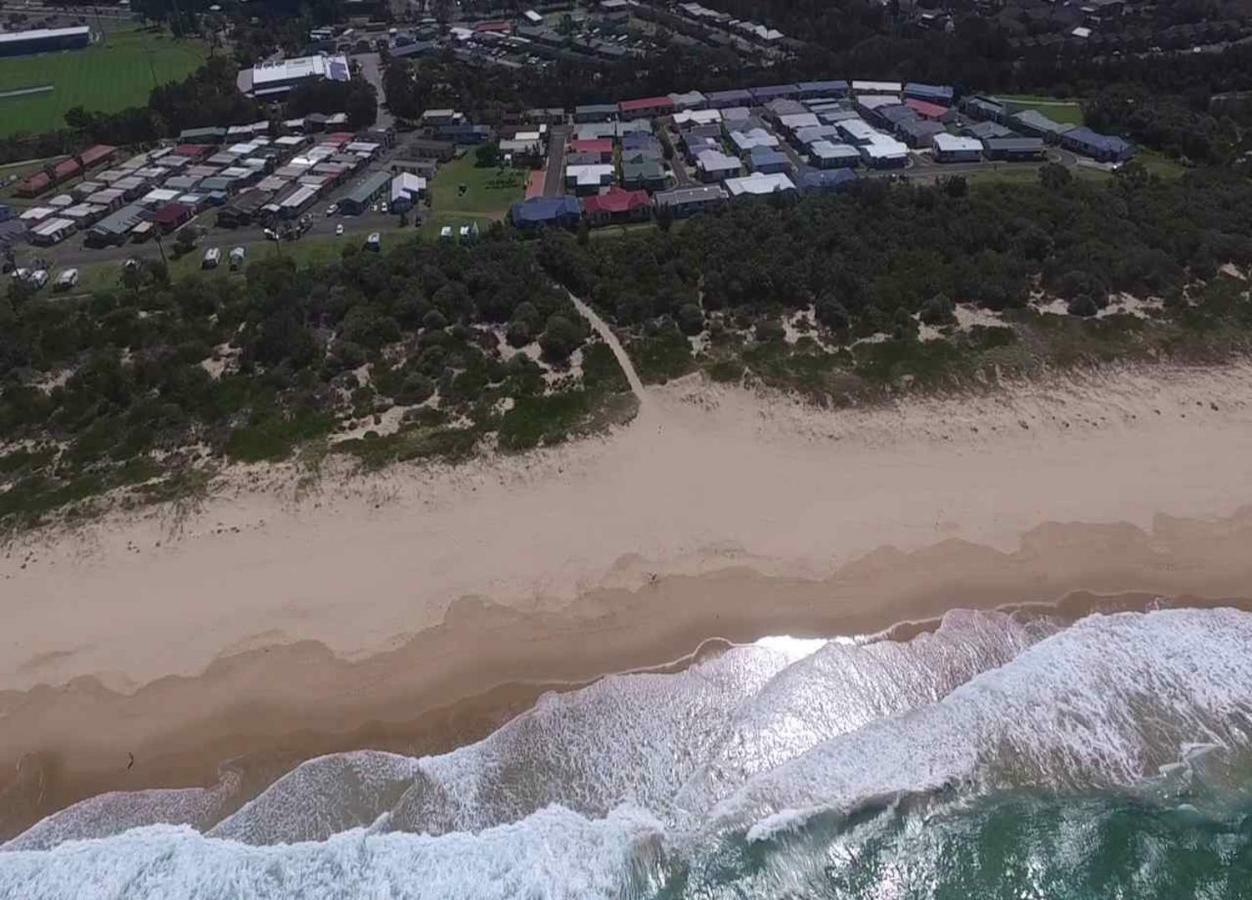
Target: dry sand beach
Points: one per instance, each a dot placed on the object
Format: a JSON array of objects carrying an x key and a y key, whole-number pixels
[{"x": 417, "y": 608}]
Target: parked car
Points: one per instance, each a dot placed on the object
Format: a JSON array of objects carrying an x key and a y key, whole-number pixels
[
  {"x": 38, "y": 278},
  {"x": 339, "y": 230},
  {"x": 66, "y": 280},
  {"x": 237, "y": 256},
  {"x": 332, "y": 209},
  {"x": 374, "y": 242},
  {"x": 212, "y": 257}
]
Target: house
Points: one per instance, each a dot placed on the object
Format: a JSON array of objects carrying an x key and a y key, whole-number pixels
[
  {"x": 932, "y": 112},
  {"x": 172, "y": 216},
  {"x": 617, "y": 205},
  {"x": 645, "y": 108},
  {"x": 1100, "y": 147},
  {"x": 426, "y": 168},
  {"x": 877, "y": 87},
  {"x": 951, "y": 148},
  {"x": 687, "y": 201},
  {"x": 794, "y": 122},
  {"x": 642, "y": 145},
  {"x": 65, "y": 170},
  {"x": 714, "y": 165},
  {"x": 803, "y": 137},
  {"x": 1036, "y": 124},
  {"x": 884, "y": 153},
  {"x": 1014, "y": 149},
  {"x": 724, "y": 99},
  {"x": 562, "y": 212},
  {"x": 601, "y": 147},
  {"x": 829, "y": 155},
  {"x": 697, "y": 117},
  {"x": 433, "y": 118},
  {"x": 51, "y": 231},
  {"x": 982, "y": 108},
  {"x": 364, "y": 193},
  {"x": 869, "y": 105},
  {"x": 785, "y": 106},
  {"x": 812, "y": 89},
  {"x": 204, "y": 136},
  {"x": 744, "y": 141},
  {"x": 595, "y": 112},
  {"x": 826, "y": 180},
  {"x": 96, "y": 155},
  {"x": 939, "y": 94},
  {"x": 589, "y": 179},
  {"x": 429, "y": 148},
  {"x": 762, "y": 95},
  {"x": 918, "y": 133},
  {"x": 768, "y": 162},
  {"x": 34, "y": 185},
  {"x": 985, "y": 131},
  {"x": 644, "y": 173},
  {"x": 689, "y": 100},
  {"x": 858, "y": 131},
  {"x": 272, "y": 80},
  {"x": 406, "y": 191},
  {"x": 759, "y": 183},
  {"x": 112, "y": 229}
]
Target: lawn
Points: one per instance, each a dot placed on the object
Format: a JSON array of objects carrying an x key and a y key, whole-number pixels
[
  {"x": 488, "y": 191},
  {"x": 109, "y": 75},
  {"x": 1067, "y": 112}
]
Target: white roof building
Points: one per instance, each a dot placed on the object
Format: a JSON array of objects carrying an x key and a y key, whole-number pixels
[
  {"x": 877, "y": 87},
  {"x": 825, "y": 151},
  {"x": 37, "y": 213},
  {"x": 698, "y": 117},
  {"x": 886, "y": 149},
  {"x": 745, "y": 141},
  {"x": 276, "y": 78},
  {"x": 717, "y": 163},
  {"x": 877, "y": 101},
  {"x": 951, "y": 143},
  {"x": 858, "y": 131},
  {"x": 759, "y": 183},
  {"x": 407, "y": 186},
  {"x": 796, "y": 121},
  {"x": 159, "y": 195},
  {"x": 589, "y": 176}
]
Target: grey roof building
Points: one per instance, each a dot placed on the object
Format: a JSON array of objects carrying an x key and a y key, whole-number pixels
[
  {"x": 1014, "y": 148},
  {"x": 918, "y": 132},
  {"x": 982, "y": 108},
  {"x": 1100, "y": 147},
  {"x": 689, "y": 200},
  {"x": 595, "y": 112},
  {"x": 985, "y": 131},
  {"x": 364, "y": 192},
  {"x": 1036, "y": 124}
]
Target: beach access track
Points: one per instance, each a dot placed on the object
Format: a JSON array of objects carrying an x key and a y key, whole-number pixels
[{"x": 602, "y": 328}]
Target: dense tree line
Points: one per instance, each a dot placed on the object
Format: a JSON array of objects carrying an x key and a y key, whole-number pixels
[
  {"x": 113, "y": 388},
  {"x": 1168, "y": 122}
]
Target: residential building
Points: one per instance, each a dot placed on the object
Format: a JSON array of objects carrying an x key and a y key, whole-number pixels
[
  {"x": 171, "y": 216},
  {"x": 114, "y": 228},
  {"x": 714, "y": 165},
  {"x": 985, "y": 131},
  {"x": 812, "y": 89},
  {"x": 869, "y": 104},
  {"x": 1014, "y": 149},
  {"x": 952, "y": 148},
  {"x": 595, "y": 112},
  {"x": 933, "y": 112},
  {"x": 1036, "y": 124},
  {"x": 364, "y": 193},
  {"x": 643, "y": 173},
  {"x": 687, "y": 201},
  {"x": 794, "y": 122},
  {"x": 917, "y": 133},
  {"x": 828, "y": 155},
  {"x": 759, "y": 183},
  {"x": 858, "y": 131},
  {"x": 406, "y": 191},
  {"x": 983, "y": 108},
  {"x": 744, "y": 141},
  {"x": 1100, "y": 147},
  {"x": 642, "y": 144},
  {"x": 52, "y": 231},
  {"x": 884, "y": 153},
  {"x": 428, "y": 148},
  {"x": 272, "y": 80},
  {"x": 589, "y": 179},
  {"x": 768, "y": 162},
  {"x": 785, "y": 106},
  {"x": 617, "y": 205},
  {"x": 601, "y": 147},
  {"x": 804, "y": 137},
  {"x": 644, "y": 108},
  {"x": 724, "y": 99},
  {"x": 940, "y": 94},
  {"x": 690, "y": 100},
  {"x": 877, "y": 87},
  {"x": 697, "y": 117},
  {"x": 826, "y": 180},
  {"x": 563, "y": 212},
  {"x": 762, "y": 95}
]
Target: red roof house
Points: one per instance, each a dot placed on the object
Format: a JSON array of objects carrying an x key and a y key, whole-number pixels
[
  {"x": 34, "y": 185},
  {"x": 617, "y": 205},
  {"x": 931, "y": 111},
  {"x": 97, "y": 155},
  {"x": 66, "y": 168},
  {"x": 498, "y": 26},
  {"x": 645, "y": 107},
  {"x": 601, "y": 147},
  {"x": 171, "y": 215},
  {"x": 192, "y": 151}
]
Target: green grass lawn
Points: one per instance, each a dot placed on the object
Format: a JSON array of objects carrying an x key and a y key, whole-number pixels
[
  {"x": 107, "y": 76},
  {"x": 488, "y": 191},
  {"x": 1067, "y": 112}
]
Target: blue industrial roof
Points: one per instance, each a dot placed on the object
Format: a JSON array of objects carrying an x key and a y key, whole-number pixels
[
  {"x": 920, "y": 91},
  {"x": 826, "y": 179},
  {"x": 538, "y": 210},
  {"x": 817, "y": 88}
]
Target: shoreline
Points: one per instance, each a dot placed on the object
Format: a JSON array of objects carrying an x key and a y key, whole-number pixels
[{"x": 417, "y": 610}]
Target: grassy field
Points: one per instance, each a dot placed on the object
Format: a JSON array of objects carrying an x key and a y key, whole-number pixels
[
  {"x": 105, "y": 77},
  {"x": 488, "y": 192},
  {"x": 1067, "y": 112}
]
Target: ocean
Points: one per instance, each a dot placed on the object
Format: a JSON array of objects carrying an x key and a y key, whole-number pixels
[{"x": 997, "y": 756}]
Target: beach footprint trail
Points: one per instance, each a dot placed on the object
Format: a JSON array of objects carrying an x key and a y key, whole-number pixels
[{"x": 602, "y": 328}]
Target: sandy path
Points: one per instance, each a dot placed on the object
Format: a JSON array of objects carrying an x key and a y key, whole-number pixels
[
  {"x": 710, "y": 478},
  {"x": 623, "y": 359}
]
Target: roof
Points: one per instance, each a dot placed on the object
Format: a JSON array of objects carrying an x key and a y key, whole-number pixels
[
  {"x": 764, "y": 156},
  {"x": 123, "y": 220},
  {"x": 826, "y": 179},
  {"x": 816, "y": 133},
  {"x": 645, "y": 168},
  {"x": 753, "y": 137},
  {"x": 717, "y": 161},
  {"x": 617, "y": 200},
  {"x": 591, "y": 145},
  {"x": 759, "y": 183},
  {"x": 729, "y": 98},
  {"x": 51, "y": 226},
  {"x": 831, "y": 150},
  {"x": 595, "y": 108},
  {"x": 877, "y": 101},
  {"x": 367, "y": 187},
  {"x": 171, "y": 213},
  {"x": 1015, "y": 144},
  {"x": 920, "y": 128},
  {"x": 769, "y": 92},
  {"x": 1108, "y": 142},
  {"x": 687, "y": 100},
  {"x": 1034, "y": 120},
  {"x": 39, "y": 34},
  {"x": 799, "y": 120},
  {"x": 939, "y": 92},
  {"x": 96, "y": 153},
  {"x": 407, "y": 184},
  {"x": 818, "y": 88},
  {"x": 644, "y": 103},
  {"x": 951, "y": 143},
  {"x": 319, "y": 66},
  {"x": 925, "y": 109},
  {"x": 708, "y": 193},
  {"x": 877, "y": 87},
  {"x": 537, "y": 210},
  {"x": 986, "y": 130}
]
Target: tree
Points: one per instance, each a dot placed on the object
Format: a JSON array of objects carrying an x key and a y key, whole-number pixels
[
  {"x": 560, "y": 338},
  {"x": 690, "y": 319},
  {"x": 938, "y": 310},
  {"x": 1054, "y": 176},
  {"x": 956, "y": 186},
  {"x": 487, "y": 155}
]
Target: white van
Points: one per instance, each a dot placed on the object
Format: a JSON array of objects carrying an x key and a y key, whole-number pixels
[
  {"x": 237, "y": 256},
  {"x": 212, "y": 257},
  {"x": 66, "y": 280}
]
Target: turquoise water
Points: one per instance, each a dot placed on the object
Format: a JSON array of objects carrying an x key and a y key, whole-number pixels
[{"x": 997, "y": 757}]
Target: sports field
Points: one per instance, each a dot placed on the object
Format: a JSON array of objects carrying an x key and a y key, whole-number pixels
[{"x": 107, "y": 76}]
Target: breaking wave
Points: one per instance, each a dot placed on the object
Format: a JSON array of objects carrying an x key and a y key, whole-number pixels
[{"x": 763, "y": 771}]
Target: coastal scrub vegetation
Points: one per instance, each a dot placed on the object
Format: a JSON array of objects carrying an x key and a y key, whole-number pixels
[
  {"x": 841, "y": 296},
  {"x": 428, "y": 351}
]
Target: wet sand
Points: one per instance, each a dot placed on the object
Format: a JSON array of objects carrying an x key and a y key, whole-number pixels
[{"x": 270, "y": 627}]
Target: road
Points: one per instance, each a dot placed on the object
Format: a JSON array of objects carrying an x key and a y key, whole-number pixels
[
  {"x": 371, "y": 71},
  {"x": 554, "y": 177}
]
